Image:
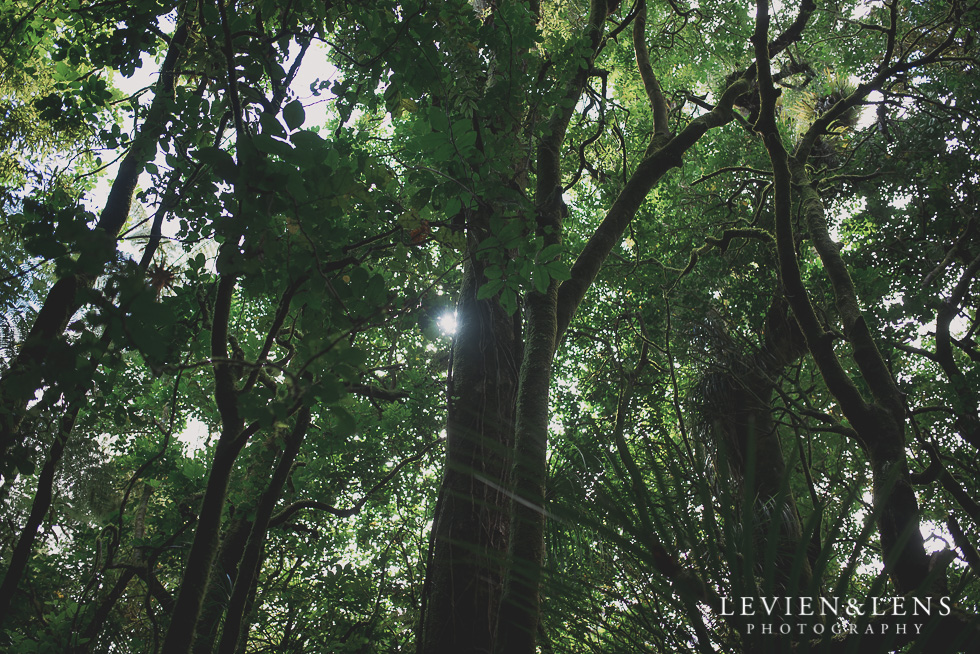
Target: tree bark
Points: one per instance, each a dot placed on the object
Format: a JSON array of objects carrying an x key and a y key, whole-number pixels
[
  {"x": 471, "y": 524},
  {"x": 517, "y": 625},
  {"x": 248, "y": 569},
  {"x": 197, "y": 571}
]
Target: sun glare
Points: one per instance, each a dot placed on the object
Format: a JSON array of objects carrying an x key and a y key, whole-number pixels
[{"x": 447, "y": 323}]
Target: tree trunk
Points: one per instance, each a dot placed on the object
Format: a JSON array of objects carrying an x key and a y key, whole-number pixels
[
  {"x": 879, "y": 424},
  {"x": 470, "y": 528},
  {"x": 520, "y": 606},
  {"x": 230, "y": 552},
  {"x": 194, "y": 583},
  {"x": 471, "y": 524},
  {"x": 248, "y": 568}
]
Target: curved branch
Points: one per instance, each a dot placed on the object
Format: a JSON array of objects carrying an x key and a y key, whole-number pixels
[
  {"x": 650, "y": 171},
  {"x": 654, "y": 93}
]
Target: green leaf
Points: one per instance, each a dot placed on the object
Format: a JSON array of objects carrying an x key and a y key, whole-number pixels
[
  {"x": 508, "y": 300},
  {"x": 453, "y": 205},
  {"x": 294, "y": 114},
  {"x": 346, "y": 424},
  {"x": 511, "y": 231},
  {"x": 265, "y": 143},
  {"x": 220, "y": 161},
  {"x": 439, "y": 121},
  {"x": 308, "y": 142},
  {"x": 558, "y": 270},
  {"x": 489, "y": 289},
  {"x": 271, "y": 126},
  {"x": 549, "y": 252},
  {"x": 541, "y": 279}
]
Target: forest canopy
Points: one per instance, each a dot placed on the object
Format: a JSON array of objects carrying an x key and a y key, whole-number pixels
[{"x": 489, "y": 326}]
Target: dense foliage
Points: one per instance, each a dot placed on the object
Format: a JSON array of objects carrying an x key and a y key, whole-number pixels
[{"x": 487, "y": 326}]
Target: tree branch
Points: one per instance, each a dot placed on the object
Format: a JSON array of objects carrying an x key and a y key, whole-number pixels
[
  {"x": 650, "y": 84},
  {"x": 650, "y": 171},
  {"x": 290, "y": 510}
]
